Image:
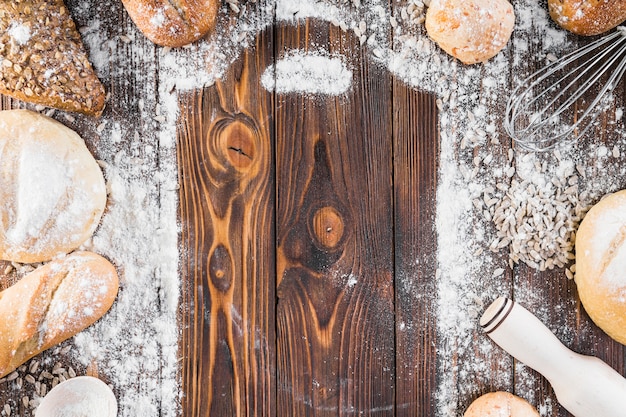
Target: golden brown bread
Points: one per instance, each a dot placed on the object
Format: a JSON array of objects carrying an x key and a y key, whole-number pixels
[
  {"x": 173, "y": 22},
  {"x": 500, "y": 404},
  {"x": 587, "y": 17},
  {"x": 470, "y": 30},
  {"x": 42, "y": 58},
  {"x": 53, "y": 303},
  {"x": 601, "y": 264},
  {"x": 52, "y": 190}
]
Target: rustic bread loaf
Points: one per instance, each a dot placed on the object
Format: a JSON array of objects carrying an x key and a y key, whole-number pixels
[
  {"x": 42, "y": 58},
  {"x": 601, "y": 264},
  {"x": 52, "y": 191},
  {"x": 471, "y": 30},
  {"x": 587, "y": 17},
  {"x": 173, "y": 22},
  {"x": 53, "y": 303},
  {"x": 500, "y": 404}
]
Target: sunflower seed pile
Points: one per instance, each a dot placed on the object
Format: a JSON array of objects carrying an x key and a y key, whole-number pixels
[
  {"x": 415, "y": 11},
  {"x": 536, "y": 215},
  {"x": 40, "y": 377}
]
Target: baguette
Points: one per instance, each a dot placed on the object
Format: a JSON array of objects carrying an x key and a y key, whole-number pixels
[
  {"x": 53, "y": 303},
  {"x": 587, "y": 17},
  {"x": 173, "y": 23}
]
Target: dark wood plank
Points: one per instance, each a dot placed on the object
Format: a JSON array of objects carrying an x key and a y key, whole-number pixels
[
  {"x": 225, "y": 157},
  {"x": 416, "y": 163},
  {"x": 335, "y": 313}
]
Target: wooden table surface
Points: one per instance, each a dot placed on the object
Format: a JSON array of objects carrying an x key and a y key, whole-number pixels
[{"x": 308, "y": 242}]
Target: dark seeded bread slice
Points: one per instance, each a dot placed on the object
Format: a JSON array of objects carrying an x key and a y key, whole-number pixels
[{"x": 42, "y": 58}]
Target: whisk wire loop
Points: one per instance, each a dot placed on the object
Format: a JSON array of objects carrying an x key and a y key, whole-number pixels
[{"x": 549, "y": 106}]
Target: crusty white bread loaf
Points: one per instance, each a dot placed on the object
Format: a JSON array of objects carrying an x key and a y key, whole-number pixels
[
  {"x": 52, "y": 191},
  {"x": 601, "y": 264},
  {"x": 587, "y": 17},
  {"x": 470, "y": 30},
  {"x": 500, "y": 404},
  {"x": 173, "y": 22},
  {"x": 42, "y": 58},
  {"x": 53, "y": 303}
]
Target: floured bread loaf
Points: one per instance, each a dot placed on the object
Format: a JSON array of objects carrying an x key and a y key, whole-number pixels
[
  {"x": 42, "y": 59},
  {"x": 471, "y": 30},
  {"x": 53, "y": 303},
  {"x": 173, "y": 22},
  {"x": 500, "y": 404},
  {"x": 587, "y": 17},
  {"x": 52, "y": 192},
  {"x": 601, "y": 264}
]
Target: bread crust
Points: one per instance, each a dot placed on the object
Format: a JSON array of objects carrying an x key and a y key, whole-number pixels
[
  {"x": 472, "y": 31},
  {"x": 53, "y": 303},
  {"x": 587, "y": 17},
  {"x": 52, "y": 190},
  {"x": 499, "y": 404},
  {"x": 173, "y": 23},
  {"x": 600, "y": 258},
  {"x": 42, "y": 58}
]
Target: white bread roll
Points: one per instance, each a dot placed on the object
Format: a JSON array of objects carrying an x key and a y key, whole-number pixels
[
  {"x": 52, "y": 191},
  {"x": 500, "y": 404},
  {"x": 471, "y": 30},
  {"x": 601, "y": 264},
  {"x": 53, "y": 303}
]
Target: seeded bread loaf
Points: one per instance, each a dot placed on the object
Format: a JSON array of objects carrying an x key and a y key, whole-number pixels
[
  {"x": 601, "y": 264},
  {"x": 173, "y": 22},
  {"x": 587, "y": 17},
  {"x": 52, "y": 191},
  {"x": 42, "y": 58},
  {"x": 53, "y": 303}
]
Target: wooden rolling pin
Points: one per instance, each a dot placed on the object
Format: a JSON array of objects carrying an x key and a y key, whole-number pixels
[{"x": 584, "y": 385}]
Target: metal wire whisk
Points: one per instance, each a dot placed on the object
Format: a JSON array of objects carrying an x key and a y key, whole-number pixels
[{"x": 561, "y": 101}]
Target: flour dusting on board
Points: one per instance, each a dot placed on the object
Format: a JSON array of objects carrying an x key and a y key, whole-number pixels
[
  {"x": 135, "y": 346},
  {"x": 308, "y": 72}
]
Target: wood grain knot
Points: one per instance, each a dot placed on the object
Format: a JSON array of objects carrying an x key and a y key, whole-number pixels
[
  {"x": 328, "y": 227},
  {"x": 238, "y": 143},
  {"x": 220, "y": 268}
]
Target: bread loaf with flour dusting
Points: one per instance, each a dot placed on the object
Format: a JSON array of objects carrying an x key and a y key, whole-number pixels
[
  {"x": 53, "y": 303},
  {"x": 587, "y": 17},
  {"x": 601, "y": 264},
  {"x": 173, "y": 22},
  {"x": 52, "y": 191},
  {"x": 42, "y": 58}
]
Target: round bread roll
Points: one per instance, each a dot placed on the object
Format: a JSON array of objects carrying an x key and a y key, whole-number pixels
[
  {"x": 601, "y": 264},
  {"x": 173, "y": 22},
  {"x": 587, "y": 17},
  {"x": 471, "y": 30},
  {"x": 52, "y": 192},
  {"x": 500, "y": 404}
]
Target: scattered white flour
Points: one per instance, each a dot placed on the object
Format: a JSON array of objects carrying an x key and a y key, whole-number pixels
[
  {"x": 308, "y": 72},
  {"x": 20, "y": 33}
]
